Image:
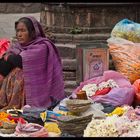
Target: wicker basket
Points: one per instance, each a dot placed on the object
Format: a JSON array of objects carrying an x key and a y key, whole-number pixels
[
  {"x": 78, "y": 102},
  {"x": 78, "y": 109},
  {"x": 74, "y": 125},
  {"x": 77, "y": 105},
  {"x": 7, "y": 125},
  {"x": 7, "y": 131}
]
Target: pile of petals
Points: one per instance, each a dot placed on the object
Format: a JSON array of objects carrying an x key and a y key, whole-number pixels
[
  {"x": 4, "y": 117},
  {"x": 115, "y": 126}
]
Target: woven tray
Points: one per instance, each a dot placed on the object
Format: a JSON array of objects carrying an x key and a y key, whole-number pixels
[
  {"x": 7, "y": 131},
  {"x": 78, "y": 102},
  {"x": 70, "y": 118},
  {"x": 78, "y": 109},
  {"x": 75, "y": 126},
  {"x": 7, "y": 125}
]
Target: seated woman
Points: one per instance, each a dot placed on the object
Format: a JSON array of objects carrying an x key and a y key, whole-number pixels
[{"x": 38, "y": 73}]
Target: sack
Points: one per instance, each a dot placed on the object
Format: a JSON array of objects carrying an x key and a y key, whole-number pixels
[
  {"x": 126, "y": 57},
  {"x": 128, "y": 30}
]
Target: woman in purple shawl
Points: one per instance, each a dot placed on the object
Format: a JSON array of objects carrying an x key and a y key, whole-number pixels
[{"x": 41, "y": 74}]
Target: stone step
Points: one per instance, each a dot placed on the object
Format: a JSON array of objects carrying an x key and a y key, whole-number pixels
[
  {"x": 66, "y": 50},
  {"x": 69, "y": 75},
  {"x": 77, "y": 38},
  {"x": 70, "y": 84},
  {"x": 84, "y": 30},
  {"x": 69, "y": 64},
  {"x": 68, "y": 91}
]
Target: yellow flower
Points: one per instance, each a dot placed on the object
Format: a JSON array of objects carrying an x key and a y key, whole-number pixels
[
  {"x": 118, "y": 111},
  {"x": 52, "y": 127}
]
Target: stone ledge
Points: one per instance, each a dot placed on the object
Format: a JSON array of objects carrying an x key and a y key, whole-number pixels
[
  {"x": 70, "y": 84},
  {"x": 71, "y": 38},
  {"x": 85, "y": 30}
]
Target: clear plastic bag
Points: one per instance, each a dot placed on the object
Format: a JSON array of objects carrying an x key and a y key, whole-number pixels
[{"x": 128, "y": 30}]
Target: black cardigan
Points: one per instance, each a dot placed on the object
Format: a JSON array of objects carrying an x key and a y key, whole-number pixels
[{"x": 12, "y": 62}]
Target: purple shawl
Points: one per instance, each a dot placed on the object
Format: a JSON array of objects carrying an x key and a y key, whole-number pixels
[{"x": 42, "y": 69}]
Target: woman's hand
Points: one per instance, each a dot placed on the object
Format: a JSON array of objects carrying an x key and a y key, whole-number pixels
[
  {"x": 5, "y": 57},
  {"x": 1, "y": 77}
]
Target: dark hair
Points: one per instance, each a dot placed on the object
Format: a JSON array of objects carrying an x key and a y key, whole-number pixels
[{"x": 29, "y": 26}]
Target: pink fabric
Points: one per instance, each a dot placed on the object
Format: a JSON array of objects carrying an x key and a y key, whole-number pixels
[
  {"x": 117, "y": 96},
  {"x": 30, "y": 130}
]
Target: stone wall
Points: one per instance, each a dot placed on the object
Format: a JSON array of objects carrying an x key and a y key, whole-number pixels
[
  {"x": 20, "y": 7},
  {"x": 74, "y": 23},
  {"x": 94, "y": 21}
]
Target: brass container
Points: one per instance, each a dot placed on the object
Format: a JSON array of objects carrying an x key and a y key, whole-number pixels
[{"x": 82, "y": 95}]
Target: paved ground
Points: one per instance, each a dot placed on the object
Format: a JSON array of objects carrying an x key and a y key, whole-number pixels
[{"x": 7, "y": 23}]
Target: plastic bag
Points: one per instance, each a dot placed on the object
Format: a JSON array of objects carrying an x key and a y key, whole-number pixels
[
  {"x": 128, "y": 30},
  {"x": 117, "y": 96},
  {"x": 126, "y": 57},
  {"x": 30, "y": 130}
]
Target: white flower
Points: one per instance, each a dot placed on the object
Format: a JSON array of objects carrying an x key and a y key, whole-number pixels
[{"x": 90, "y": 89}]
